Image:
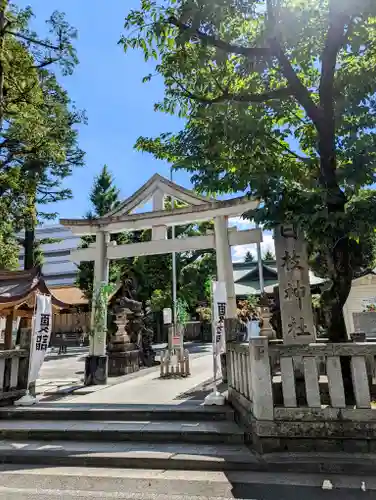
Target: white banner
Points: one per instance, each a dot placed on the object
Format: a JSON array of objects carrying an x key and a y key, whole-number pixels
[
  {"x": 219, "y": 305},
  {"x": 41, "y": 333},
  {"x": 167, "y": 316}
]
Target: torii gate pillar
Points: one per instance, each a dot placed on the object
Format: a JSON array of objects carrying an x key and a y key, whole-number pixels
[
  {"x": 224, "y": 263},
  {"x": 96, "y": 364}
]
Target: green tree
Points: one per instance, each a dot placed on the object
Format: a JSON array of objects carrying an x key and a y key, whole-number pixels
[
  {"x": 56, "y": 154},
  {"x": 249, "y": 257},
  {"x": 268, "y": 256},
  {"x": 153, "y": 274},
  {"x": 8, "y": 247},
  {"x": 278, "y": 98}
]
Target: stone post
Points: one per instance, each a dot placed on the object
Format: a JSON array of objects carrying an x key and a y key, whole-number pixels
[
  {"x": 294, "y": 287},
  {"x": 225, "y": 274},
  {"x": 96, "y": 364},
  {"x": 261, "y": 380},
  {"x": 294, "y": 295},
  {"x": 224, "y": 263}
]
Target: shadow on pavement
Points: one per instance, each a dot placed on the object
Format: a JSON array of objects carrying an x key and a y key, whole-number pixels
[
  {"x": 293, "y": 492},
  {"x": 199, "y": 392}
]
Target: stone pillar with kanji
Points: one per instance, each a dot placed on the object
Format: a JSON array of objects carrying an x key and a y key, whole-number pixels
[{"x": 294, "y": 287}]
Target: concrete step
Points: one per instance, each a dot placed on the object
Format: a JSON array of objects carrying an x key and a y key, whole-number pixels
[
  {"x": 60, "y": 411},
  {"x": 30, "y": 481},
  {"x": 143, "y": 431},
  {"x": 132, "y": 455}
]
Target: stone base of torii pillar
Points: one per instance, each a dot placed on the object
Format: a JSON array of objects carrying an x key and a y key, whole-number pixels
[{"x": 96, "y": 370}]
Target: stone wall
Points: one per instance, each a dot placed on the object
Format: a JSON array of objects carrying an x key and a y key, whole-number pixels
[{"x": 278, "y": 417}]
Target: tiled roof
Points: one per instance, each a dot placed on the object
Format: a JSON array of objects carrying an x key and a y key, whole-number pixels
[
  {"x": 17, "y": 286},
  {"x": 71, "y": 295}
]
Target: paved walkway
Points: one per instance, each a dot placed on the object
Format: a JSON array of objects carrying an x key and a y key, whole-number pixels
[
  {"x": 150, "y": 389},
  {"x": 62, "y": 374}
]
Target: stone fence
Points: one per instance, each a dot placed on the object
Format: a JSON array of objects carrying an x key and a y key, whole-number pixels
[
  {"x": 293, "y": 397},
  {"x": 14, "y": 366}
]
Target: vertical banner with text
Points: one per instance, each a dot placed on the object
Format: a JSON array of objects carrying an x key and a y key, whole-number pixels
[
  {"x": 219, "y": 303},
  {"x": 41, "y": 333}
]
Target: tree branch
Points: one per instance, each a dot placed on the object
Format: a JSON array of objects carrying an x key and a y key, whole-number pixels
[
  {"x": 47, "y": 62},
  {"x": 46, "y": 45},
  {"x": 304, "y": 159},
  {"x": 336, "y": 38},
  {"x": 251, "y": 52},
  {"x": 295, "y": 87},
  {"x": 300, "y": 92},
  {"x": 280, "y": 93}
]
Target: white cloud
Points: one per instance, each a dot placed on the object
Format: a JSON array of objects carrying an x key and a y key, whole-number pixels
[
  {"x": 240, "y": 223},
  {"x": 239, "y": 252}
]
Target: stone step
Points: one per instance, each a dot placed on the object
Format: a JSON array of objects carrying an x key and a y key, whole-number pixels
[
  {"x": 141, "y": 484},
  {"x": 129, "y": 455},
  {"x": 60, "y": 411},
  {"x": 144, "y": 431}
]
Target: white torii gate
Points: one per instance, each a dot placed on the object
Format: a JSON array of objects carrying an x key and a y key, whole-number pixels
[{"x": 198, "y": 209}]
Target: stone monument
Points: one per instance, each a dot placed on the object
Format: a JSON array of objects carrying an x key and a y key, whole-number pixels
[
  {"x": 294, "y": 296},
  {"x": 294, "y": 287}
]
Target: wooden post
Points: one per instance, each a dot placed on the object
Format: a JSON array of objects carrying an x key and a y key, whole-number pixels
[
  {"x": 23, "y": 375},
  {"x": 8, "y": 339}
]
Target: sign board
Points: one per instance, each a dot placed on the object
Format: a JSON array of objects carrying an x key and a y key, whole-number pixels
[
  {"x": 167, "y": 316},
  {"x": 368, "y": 303},
  {"x": 176, "y": 341},
  {"x": 41, "y": 334}
]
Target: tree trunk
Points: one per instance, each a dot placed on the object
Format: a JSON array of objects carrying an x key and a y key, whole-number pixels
[
  {"x": 30, "y": 222},
  {"x": 29, "y": 248},
  {"x": 3, "y": 7},
  {"x": 341, "y": 273},
  {"x": 335, "y": 298}
]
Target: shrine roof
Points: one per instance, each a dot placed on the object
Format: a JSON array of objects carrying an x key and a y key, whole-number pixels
[
  {"x": 71, "y": 295},
  {"x": 16, "y": 287},
  {"x": 247, "y": 282}
]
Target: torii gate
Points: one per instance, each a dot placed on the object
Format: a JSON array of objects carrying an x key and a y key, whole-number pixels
[{"x": 199, "y": 208}]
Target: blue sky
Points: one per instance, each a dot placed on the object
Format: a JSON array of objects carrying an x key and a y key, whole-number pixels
[{"x": 107, "y": 83}]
